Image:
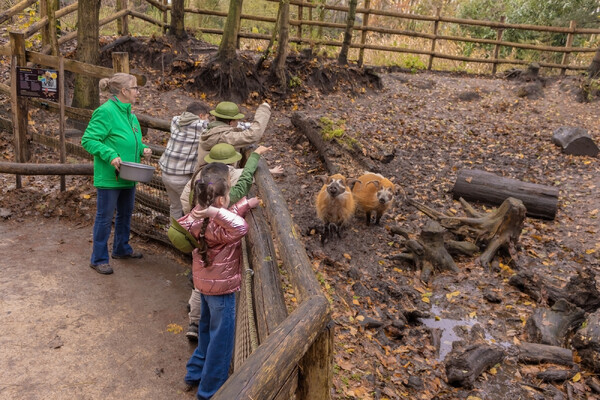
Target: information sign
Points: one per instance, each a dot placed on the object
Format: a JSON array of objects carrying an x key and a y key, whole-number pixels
[{"x": 37, "y": 82}]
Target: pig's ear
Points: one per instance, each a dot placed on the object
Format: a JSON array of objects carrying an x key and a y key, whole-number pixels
[
  {"x": 377, "y": 184},
  {"x": 324, "y": 178},
  {"x": 350, "y": 182}
]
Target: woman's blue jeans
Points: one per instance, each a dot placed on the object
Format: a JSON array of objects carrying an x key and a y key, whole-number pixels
[
  {"x": 209, "y": 365},
  {"x": 107, "y": 201}
]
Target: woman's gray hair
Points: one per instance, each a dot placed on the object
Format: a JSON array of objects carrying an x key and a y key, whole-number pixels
[{"x": 118, "y": 81}]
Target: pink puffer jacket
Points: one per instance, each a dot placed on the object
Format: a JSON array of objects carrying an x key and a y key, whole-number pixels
[{"x": 223, "y": 236}]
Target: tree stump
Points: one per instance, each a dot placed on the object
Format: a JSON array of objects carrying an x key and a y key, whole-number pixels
[
  {"x": 498, "y": 229},
  {"x": 574, "y": 140},
  {"x": 476, "y": 185},
  {"x": 428, "y": 252},
  {"x": 587, "y": 342},
  {"x": 551, "y": 326},
  {"x": 463, "y": 369}
]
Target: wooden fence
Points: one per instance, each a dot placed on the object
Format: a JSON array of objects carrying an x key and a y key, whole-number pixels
[{"x": 364, "y": 29}]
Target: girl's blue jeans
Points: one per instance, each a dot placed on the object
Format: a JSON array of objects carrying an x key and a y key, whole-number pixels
[
  {"x": 209, "y": 365},
  {"x": 107, "y": 202}
]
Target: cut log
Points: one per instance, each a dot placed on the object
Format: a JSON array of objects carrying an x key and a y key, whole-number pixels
[
  {"x": 463, "y": 369},
  {"x": 535, "y": 353},
  {"x": 575, "y": 140},
  {"x": 556, "y": 375},
  {"x": 551, "y": 326},
  {"x": 46, "y": 169},
  {"x": 495, "y": 230},
  {"x": 587, "y": 342},
  {"x": 540, "y": 201},
  {"x": 581, "y": 290}
]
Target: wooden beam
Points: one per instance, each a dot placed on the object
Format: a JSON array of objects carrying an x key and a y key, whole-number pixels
[
  {"x": 46, "y": 169},
  {"x": 146, "y": 18},
  {"x": 265, "y": 371},
  {"x": 78, "y": 67},
  {"x": 5, "y": 15}
]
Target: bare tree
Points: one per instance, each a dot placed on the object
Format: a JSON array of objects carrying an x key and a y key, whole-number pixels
[
  {"x": 228, "y": 46},
  {"x": 594, "y": 68},
  {"x": 343, "y": 57},
  {"x": 278, "y": 66},
  {"x": 177, "y": 27},
  {"x": 86, "y": 92}
]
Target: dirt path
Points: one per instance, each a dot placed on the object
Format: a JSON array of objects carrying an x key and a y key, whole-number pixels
[{"x": 70, "y": 333}]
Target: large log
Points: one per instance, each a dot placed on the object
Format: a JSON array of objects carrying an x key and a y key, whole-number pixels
[
  {"x": 540, "y": 201},
  {"x": 463, "y": 370},
  {"x": 311, "y": 130},
  {"x": 574, "y": 140},
  {"x": 46, "y": 169},
  {"x": 535, "y": 353}
]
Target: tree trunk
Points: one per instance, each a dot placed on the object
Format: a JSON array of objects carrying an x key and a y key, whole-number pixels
[
  {"x": 227, "y": 48},
  {"x": 86, "y": 92},
  {"x": 177, "y": 27},
  {"x": 343, "y": 56},
  {"x": 594, "y": 68},
  {"x": 278, "y": 67}
]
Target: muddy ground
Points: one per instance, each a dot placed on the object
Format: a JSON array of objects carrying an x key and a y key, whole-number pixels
[{"x": 420, "y": 129}]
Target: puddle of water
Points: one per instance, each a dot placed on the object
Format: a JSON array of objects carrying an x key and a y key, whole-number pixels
[{"x": 449, "y": 334}]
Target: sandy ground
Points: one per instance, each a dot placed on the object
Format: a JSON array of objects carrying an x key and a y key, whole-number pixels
[{"x": 71, "y": 333}]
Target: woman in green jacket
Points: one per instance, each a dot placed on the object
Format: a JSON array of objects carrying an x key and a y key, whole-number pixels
[{"x": 114, "y": 135}]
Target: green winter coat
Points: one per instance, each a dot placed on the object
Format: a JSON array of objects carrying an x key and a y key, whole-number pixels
[{"x": 113, "y": 132}]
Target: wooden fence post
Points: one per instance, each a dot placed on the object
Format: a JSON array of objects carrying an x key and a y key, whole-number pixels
[
  {"x": 61, "y": 122},
  {"x": 315, "y": 369},
  {"x": 120, "y": 62},
  {"x": 363, "y": 35},
  {"x": 497, "y": 46},
  {"x": 19, "y": 106},
  {"x": 565, "y": 59},
  {"x": 436, "y": 25},
  {"x": 122, "y": 23}
]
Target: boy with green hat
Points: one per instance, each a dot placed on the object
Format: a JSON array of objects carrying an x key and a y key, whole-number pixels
[{"x": 225, "y": 129}]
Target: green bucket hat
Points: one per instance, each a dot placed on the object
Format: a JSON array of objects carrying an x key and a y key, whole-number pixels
[
  {"x": 227, "y": 110},
  {"x": 223, "y": 153}
]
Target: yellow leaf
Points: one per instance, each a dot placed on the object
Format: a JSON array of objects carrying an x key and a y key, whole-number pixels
[
  {"x": 294, "y": 299},
  {"x": 347, "y": 256},
  {"x": 174, "y": 328},
  {"x": 355, "y": 302},
  {"x": 360, "y": 318},
  {"x": 437, "y": 318},
  {"x": 397, "y": 269},
  {"x": 425, "y": 299},
  {"x": 590, "y": 251},
  {"x": 86, "y": 196},
  {"x": 577, "y": 377},
  {"x": 473, "y": 398},
  {"x": 493, "y": 371},
  {"x": 473, "y": 314}
]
